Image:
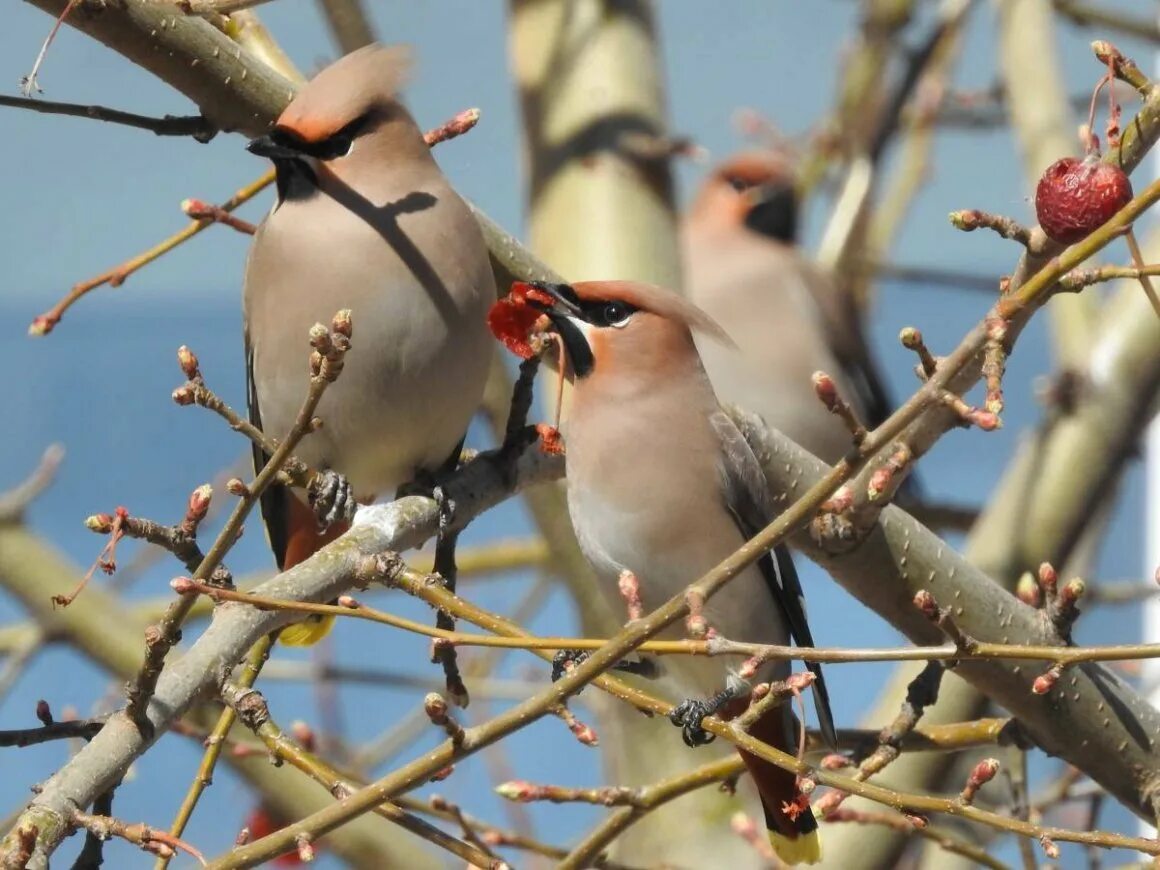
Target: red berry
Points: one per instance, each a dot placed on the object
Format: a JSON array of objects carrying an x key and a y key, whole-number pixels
[
  {"x": 1076, "y": 197},
  {"x": 262, "y": 823},
  {"x": 511, "y": 318}
]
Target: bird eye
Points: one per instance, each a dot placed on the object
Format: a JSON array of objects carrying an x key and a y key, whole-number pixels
[{"x": 617, "y": 314}]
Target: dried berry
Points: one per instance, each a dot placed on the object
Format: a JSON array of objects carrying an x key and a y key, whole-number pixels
[{"x": 1076, "y": 197}]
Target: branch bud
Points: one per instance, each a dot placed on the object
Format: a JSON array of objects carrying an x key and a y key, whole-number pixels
[
  {"x": 518, "y": 790},
  {"x": 1027, "y": 590},
  {"x": 102, "y": 524},
  {"x": 342, "y": 323},
  {"x": 982, "y": 774},
  {"x": 183, "y": 395},
  {"x": 188, "y": 362},
  {"x": 182, "y": 585},
  {"x": 1046, "y": 681},
  {"x": 925, "y": 602}
]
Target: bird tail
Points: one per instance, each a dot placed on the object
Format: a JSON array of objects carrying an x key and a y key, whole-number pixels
[
  {"x": 303, "y": 540},
  {"x": 789, "y": 820},
  {"x": 310, "y": 631}
]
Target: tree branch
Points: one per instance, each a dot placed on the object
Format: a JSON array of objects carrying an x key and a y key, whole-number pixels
[{"x": 169, "y": 125}]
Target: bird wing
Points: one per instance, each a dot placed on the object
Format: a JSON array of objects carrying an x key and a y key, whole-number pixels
[
  {"x": 273, "y": 499},
  {"x": 749, "y": 501}
]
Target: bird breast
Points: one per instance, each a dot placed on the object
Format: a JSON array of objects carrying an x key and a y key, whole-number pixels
[{"x": 418, "y": 284}]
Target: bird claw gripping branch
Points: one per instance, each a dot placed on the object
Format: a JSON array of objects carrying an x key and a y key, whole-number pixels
[
  {"x": 691, "y": 712},
  {"x": 331, "y": 498}
]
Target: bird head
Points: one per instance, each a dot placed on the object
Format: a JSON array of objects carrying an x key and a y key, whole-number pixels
[
  {"x": 756, "y": 189},
  {"x": 332, "y": 118},
  {"x": 610, "y": 327}
]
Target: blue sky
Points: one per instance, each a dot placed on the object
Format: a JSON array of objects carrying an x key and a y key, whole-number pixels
[{"x": 80, "y": 197}]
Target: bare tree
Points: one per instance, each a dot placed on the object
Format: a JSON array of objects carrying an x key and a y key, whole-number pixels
[{"x": 992, "y": 674}]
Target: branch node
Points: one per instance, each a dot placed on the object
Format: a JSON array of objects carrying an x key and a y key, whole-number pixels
[
  {"x": 942, "y": 617},
  {"x": 435, "y": 706}
]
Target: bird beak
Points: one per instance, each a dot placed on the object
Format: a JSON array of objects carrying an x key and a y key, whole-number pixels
[
  {"x": 268, "y": 146},
  {"x": 563, "y": 302},
  {"x": 564, "y": 312}
]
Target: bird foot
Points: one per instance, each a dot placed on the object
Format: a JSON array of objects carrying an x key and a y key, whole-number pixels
[
  {"x": 429, "y": 485},
  {"x": 331, "y": 498},
  {"x": 691, "y": 712},
  {"x": 566, "y": 659}
]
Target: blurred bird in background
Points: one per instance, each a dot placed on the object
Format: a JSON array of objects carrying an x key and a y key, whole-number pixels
[{"x": 788, "y": 319}]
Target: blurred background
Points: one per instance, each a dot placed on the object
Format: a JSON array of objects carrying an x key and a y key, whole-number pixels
[{"x": 81, "y": 196}]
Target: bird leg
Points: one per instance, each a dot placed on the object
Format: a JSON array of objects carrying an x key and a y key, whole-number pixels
[
  {"x": 331, "y": 498},
  {"x": 447, "y": 570},
  {"x": 566, "y": 659},
  {"x": 691, "y": 712}
]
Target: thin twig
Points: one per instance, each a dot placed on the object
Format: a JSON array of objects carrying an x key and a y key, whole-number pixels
[
  {"x": 71, "y": 729},
  {"x": 169, "y": 125},
  {"x": 161, "y": 637},
  {"x": 149, "y": 839},
  {"x": 977, "y": 650},
  {"x": 215, "y": 743},
  {"x": 44, "y": 323},
  {"x": 253, "y": 712}
]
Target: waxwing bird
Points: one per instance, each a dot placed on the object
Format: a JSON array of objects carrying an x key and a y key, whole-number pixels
[
  {"x": 661, "y": 483},
  {"x": 742, "y": 264},
  {"x": 364, "y": 220}
]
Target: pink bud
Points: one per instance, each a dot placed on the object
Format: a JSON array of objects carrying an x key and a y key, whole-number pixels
[
  {"x": 826, "y": 389},
  {"x": 1047, "y": 577},
  {"x": 925, "y": 602},
  {"x": 305, "y": 849},
  {"x": 910, "y": 338},
  {"x": 182, "y": 585},
  {"x": 42, "y": 325},
  {"x": 188, "y": 362},
  {"x": 199, "y": 501},
  {"x": 834, "y": 761},
  {"x": 1046, "y": 681},
  {"x": 440, "y": 775},
  {"x": 984, "y": 772},
  {"x": 342, "y": 323},
  {"x": 102, "y": 524},
  {"x": 519, "y": 790},
  {"x": 1027, "y": 590}
]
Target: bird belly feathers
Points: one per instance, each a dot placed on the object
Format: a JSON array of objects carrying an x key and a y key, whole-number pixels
[
  {"x": 420, "y": 347},
  {"x": 667, "y": 552}
]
